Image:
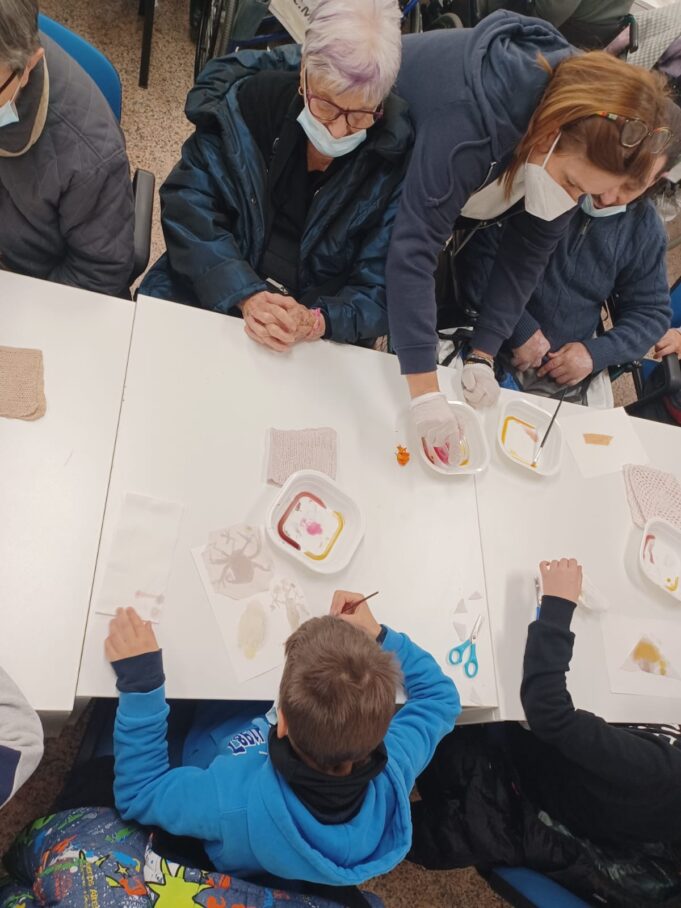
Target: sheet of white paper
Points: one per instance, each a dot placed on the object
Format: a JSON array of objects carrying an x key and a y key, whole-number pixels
[
  {"x": 598, "y": 459},
  {"x": 255, "y": 628},
  {"x": 481, "y": 690},
  {"x": 293, "y": 15},
  {"x": 637, "y": 650},
  {"x": 141, "y": 557}
]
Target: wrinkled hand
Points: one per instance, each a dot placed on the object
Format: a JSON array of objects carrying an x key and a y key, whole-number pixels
[
  {"x": 668, "y": 343},
  {"x": 268, "y": 320},
  {"x": 362, "y": 617},
  {"x": 530, "y": 355},
  {"x": 569, "y": 365},
  {"x": 307, "y": 326},
  {"x": 561, "y": 578},
  {"x": 129, "y": 636},
  {"x": 440, "y": 431},
  {"x": 480, "y": 387}
]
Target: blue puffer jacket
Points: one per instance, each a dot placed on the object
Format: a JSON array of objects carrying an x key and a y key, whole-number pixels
[
  {"x": 622, "y": 255},
  {"x": 213, "y": 210}
]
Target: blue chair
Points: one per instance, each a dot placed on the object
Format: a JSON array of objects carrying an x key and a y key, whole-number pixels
[
  {"x": 105, "y": 76},
  {"x": 525, "y": 888},
  {"x": 100, "y": 69}
]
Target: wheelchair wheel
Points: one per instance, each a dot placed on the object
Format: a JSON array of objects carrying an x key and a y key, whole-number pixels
[{"x": 217, "y": 20}]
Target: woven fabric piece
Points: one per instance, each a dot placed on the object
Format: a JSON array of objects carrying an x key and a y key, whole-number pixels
[
  {"x": 291, "y": 450},
  {"x": 22, "y": 393},
  {"x": 652, "y": 493}
]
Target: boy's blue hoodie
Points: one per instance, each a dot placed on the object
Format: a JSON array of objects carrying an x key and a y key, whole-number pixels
[
  {"x": 471, "y": 95},
  {"x": 247, "y": 816}
]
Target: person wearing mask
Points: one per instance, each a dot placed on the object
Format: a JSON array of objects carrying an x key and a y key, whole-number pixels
[
  {"x": 521, "y": 123},
  {"x": 66, "y": 205},
  {"x": 615, "y": 248},
  {"x": 282, "y": 205}
]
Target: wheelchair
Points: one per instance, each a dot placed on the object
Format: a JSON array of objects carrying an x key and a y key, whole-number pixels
[{"x": 230, "y": 25}]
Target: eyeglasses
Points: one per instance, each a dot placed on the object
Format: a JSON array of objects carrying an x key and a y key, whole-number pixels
[
  {"x": 327, "y": 112},
  {"x": 7, "y": 81},
  {"x": 634, "y": 132}
]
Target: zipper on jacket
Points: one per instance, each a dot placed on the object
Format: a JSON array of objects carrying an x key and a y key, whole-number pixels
[{"x": 486, "y": 180}]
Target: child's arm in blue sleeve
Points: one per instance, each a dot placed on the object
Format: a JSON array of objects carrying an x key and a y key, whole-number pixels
[
  {"x": 182, "y": 801},
  {"x": 429, "y": 713}
]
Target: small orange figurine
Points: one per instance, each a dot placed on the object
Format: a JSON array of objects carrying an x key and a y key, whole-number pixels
[{"x": 403, "y": 456}]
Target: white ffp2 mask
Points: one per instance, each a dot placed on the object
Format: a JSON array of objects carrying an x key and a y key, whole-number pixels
[{"x": 544, "y": 197}]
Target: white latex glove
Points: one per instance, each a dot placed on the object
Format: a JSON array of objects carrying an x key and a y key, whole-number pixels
[
  {"x": 480, "y": 387},
  {"x": 438, "y": 428}
]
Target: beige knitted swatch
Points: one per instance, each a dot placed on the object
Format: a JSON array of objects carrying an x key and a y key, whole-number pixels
[
  {"x": 22, "y": 392},
  {"x": 652, "y": 493},
  {"x": 301, "y": 449}
]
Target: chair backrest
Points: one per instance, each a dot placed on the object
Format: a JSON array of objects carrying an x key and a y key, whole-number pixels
[
  {"x": 100, "y": 69},
  {"x": 675, "y": 295}
]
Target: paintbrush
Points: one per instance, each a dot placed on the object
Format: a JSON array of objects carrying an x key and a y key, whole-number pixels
[
  {"x": 350, "y": 607},
  {"x": 535, "y": 460}
]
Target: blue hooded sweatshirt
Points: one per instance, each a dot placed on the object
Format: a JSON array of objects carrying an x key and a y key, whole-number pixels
[
  {"x": 471, "y": 94},
  {"x": 247, "y": 816}
]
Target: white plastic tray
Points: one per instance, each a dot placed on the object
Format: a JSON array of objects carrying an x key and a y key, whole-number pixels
[
  {"x": 476, "y": 451},
  {"x": 660, "y": 556},
  {"x": 517, "y": 444},
  {"x": 339, "y": 551}
]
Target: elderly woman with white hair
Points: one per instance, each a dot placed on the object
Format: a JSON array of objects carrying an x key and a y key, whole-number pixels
[{"x": 282, "y": 205}]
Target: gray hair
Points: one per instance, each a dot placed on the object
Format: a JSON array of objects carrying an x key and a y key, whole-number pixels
[
  {"x": 355, "y": 44},
  {"x": 19, "y": 38}
]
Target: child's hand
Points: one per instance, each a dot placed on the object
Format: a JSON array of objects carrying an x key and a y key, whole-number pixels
[
  {"x": 362, "y": 616},
  {"x": 561, "y": 578},
  {"x": 129, "y": 636},
  {"x": 669, "y": 343}
]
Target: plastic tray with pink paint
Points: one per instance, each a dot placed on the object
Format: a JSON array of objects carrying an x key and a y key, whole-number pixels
[{"x": 314, "y": 522}]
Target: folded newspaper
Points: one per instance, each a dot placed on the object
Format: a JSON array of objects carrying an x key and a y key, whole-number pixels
[{"x": 293, "y": 15}]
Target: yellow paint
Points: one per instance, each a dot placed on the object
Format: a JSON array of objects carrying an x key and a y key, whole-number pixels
[
  {"x": 672, "y": 585},
  {"x": 647, "y": 654},
  {"x": 332, "y": 541},
  {"x": 531, "y": 431}
]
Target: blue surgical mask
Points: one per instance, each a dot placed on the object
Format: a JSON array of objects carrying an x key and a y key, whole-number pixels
[
  {"x": 322, "y": 139},
  {"x": 589, "y": 208},
  {"x": 8, "y": 111}
]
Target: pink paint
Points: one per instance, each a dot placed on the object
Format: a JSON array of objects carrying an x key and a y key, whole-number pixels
[{"x": 313, "y": 528}]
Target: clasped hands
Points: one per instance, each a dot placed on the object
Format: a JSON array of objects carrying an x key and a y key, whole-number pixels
[
  {"x": 278, "y": 321},
  {"x": 567, "y": 366}
]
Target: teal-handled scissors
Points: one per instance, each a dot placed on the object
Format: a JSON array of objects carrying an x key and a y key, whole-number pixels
[{"x": 457, "y": 653}]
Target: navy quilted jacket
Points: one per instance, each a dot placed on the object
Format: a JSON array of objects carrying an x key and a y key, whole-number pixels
[
  {"x": 213, "y": 210},
  {"x": 622, "y": 255}
]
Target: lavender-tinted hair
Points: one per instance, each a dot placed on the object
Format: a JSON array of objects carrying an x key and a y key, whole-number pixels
[{"x": 354, "y": 45}]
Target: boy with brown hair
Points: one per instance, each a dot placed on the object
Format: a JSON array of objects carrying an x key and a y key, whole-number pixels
[{"x": 322, "y": 795}]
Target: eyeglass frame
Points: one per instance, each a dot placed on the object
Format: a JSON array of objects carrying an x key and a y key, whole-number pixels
[
  {"x": 649, "y": 133},
  {"x": 15, "y": 75},
  {"x": 377, "y": 113}
]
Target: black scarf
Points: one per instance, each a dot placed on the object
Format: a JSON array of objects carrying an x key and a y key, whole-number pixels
[{"x": 330, "y": 799}]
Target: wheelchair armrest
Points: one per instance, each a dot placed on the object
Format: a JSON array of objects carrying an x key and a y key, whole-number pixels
[
  {"x": 143, "y": 185},
  {"x": 671, "y": 383}
]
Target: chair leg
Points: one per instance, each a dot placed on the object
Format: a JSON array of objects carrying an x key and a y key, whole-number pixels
[{"x": 146, "y": 41}]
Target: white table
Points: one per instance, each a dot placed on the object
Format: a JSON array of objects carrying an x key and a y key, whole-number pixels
[
  {"x": 526, "y": 518},
  {"x": 54, "y": 474},
  {"x": 199, "y": 399}
]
